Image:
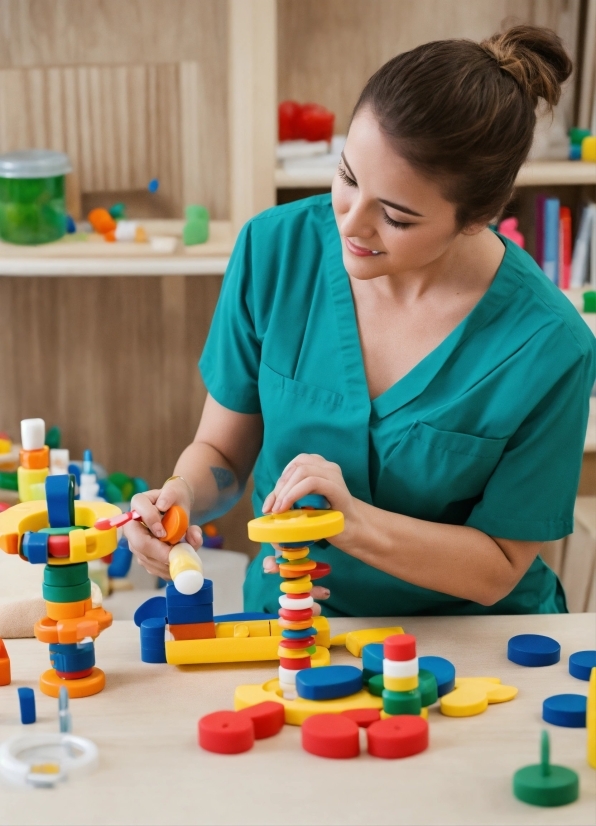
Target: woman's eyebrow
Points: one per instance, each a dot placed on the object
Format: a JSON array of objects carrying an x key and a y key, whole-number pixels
[{"x": 407, "y": 210}]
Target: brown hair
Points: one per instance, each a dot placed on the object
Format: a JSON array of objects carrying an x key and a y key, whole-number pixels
[{"x": 464, "y": 112}]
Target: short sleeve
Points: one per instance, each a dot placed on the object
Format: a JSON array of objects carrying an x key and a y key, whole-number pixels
[
  {"x": 531, "y": 493},
  {"x": 230, "y": 360}
]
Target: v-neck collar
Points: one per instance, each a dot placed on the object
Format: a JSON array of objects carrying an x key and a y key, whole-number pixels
[{"x": 419, "y": 377}]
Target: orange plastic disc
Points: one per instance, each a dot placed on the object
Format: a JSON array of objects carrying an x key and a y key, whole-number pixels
[
  {"x": 35, "y": 459},
  {"x": 68, "y": 610},
  {"x": 294, "y": 626},
  {"x": 175, "y": 522},
  {"x": 50, "y": 683}
]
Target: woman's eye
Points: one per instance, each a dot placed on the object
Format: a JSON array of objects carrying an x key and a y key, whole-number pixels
[
  {"x": 392, "y": 223},
  {"x": 345, "y": 177}
]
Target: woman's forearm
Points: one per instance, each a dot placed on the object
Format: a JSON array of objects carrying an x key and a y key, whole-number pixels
[
  {"x": 213, "y": 481},
  {"x": 453, "y": 559}
]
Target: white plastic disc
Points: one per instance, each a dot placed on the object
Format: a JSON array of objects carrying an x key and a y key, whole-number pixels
[
  {"x": 296, "y": 604},
  {"x": 189, "y": 582},
  {"x": 403, "y": 668}
]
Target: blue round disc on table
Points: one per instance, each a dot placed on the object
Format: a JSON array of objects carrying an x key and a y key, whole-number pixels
[
  {"x": 443, "y": 670},
  {"x": 567, "y": 710},
  {"x": 328, "y": 682},
  {"x": 372, "y": 657},
  {"x": 533, "y": 650},
  {"x": 581, "y": 664}
]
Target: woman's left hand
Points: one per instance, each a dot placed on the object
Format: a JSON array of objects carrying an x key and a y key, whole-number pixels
[{"x": 309, "y": 473}]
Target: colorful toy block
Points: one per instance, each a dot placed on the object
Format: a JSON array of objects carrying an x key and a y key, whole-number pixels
[
  {"x": 27, "y": 705},
  {"x": 443, "y": 670},
  {"x": 533, "y": 650},
  {"x": 4, "y": 665},
  {"x": 568, "y": 710},
  {"x": 472, "y": 695},
  {"x": 356, "y": 640},
  {"x": 225, "y": 732},
  {"x": 396, "y": 737},
  {"x": 329, "y": 683},
  {"x": 60, "y": 493},
  {"x": 581, "y": 664},
  {"x": 34, "y": 548},
  {"x": 331, "y": 735}
]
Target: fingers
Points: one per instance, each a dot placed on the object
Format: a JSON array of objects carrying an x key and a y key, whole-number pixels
[
  {"x": 194, "y": 536},
  {"x": 304, "y": 480},
  {"x": 298, "y": 461},
  {"x": 174, "y": 492},
  {"x": 162, "y": 571},
  {"x": 319, "y": 592},
  {"x": 144, "y": 503},
  {"x": 151, "y": 553},
  {"x": 270, "y": 566}
]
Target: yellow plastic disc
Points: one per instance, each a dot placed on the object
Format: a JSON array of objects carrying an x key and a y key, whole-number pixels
[
  {"x": 295, "y": 553},
  {"x": 296, "y": 526},
  {"x": 297, "y": 586},
  {"x": 293, "y": 653},
  {"x": 465, "y": 701},
  {"x": 400, "y": 683}
]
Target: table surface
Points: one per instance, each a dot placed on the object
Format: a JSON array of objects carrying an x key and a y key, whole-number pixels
[{"x": 152, "y": 771}]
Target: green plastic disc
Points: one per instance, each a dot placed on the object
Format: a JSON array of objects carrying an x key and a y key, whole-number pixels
[
  {"x": 67, "y": 593},
  {"x": 61, "y": 531},
  {"x": 375, "y": 685},
  {"x": 427, "y": 683},
  {"x": 402, "y": 702},
  {"x": 544, "y": 784},
  {"x": 63, "y": 576}
]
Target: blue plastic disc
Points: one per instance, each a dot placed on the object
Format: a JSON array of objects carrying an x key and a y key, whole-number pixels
[
  {"x": 567, "y": 710},
  {"x": 444, "y": 671},
  {"x": 581, "y": 664},
  {"x": 328, "y": 682},
  {"x": 246, "y": 616},
  {"x": 298, "y": 635},
  {"x": 372, "y": 657},
  {"x": 533, "y": 650}
]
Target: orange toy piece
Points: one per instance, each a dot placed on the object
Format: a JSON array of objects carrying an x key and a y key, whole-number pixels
[
  {"x": 35, "y": 459},
  {"x": 68, "y": 610},
  {"x": 4, "y": 665},
  {"x": 101, "y": 220},
  {"x": 69, "y": 631},
  {"x": 175, "y": 523},
  {"x": 50, "y": 684},
  {"x": 193, "y": 631}
]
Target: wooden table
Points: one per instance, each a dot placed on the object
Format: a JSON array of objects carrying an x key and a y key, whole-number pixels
[{"x": 153, "y": 772}]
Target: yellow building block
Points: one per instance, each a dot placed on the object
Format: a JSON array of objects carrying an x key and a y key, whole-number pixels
[
  {"x": 495, "y": 692},
  {"x": 296, "y": 526},
  {"x": 356, "y": 640},
  {"x": 589, "y": 148},
  {"x": 400, "y": 683},
  {"x": 27, "y": 479},
  {"x": 14, "y": 522},
  {"x": 298, "y": 710},
  {"x": 255, "y": 628},
  {"x": 472, "y": 695},
  {"x": 591, "y": 719},
  {"x": 5, "y": 445},
  {"x": 222, "y": 650}
]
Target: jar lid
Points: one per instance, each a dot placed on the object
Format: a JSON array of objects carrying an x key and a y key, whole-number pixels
[{"x": 34, "y": 163}]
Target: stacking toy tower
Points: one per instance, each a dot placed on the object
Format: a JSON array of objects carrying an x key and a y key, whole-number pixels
[
  {"x": 401, "y": 694},
  {"x": 49, "y": 528},
  {"x": 295, "y": 531}
]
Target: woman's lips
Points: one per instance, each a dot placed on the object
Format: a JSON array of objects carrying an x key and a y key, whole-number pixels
[{"x": 362, "y": 252}]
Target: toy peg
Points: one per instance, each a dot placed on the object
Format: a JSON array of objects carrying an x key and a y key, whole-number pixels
[
  {"x": 116, "y": 521},
  {"x": 186, "y": 569}
]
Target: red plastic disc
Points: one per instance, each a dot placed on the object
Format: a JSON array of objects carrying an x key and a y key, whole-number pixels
[
  {"x": 322, "y": 569},
  {"x": 59, "y": 546},
  {"x": 305, "y": 642},
  {"x": 296, "y": 596},
  {"x": 400, "y": 647},
  {"x": 268, "y": 718},
  {"x": 74, "y": 675},
  {"x": 363, "y": 717},
  {"x": 331, "y": 735},
  {"x": 294, "y": 663},
  {"x": 400, "y": 736},
  {"x": 297, "y": 616},
  {"x": 226, "y": 732}
]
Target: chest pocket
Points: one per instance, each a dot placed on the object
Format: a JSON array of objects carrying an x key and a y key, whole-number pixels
[{"x": 437, "y": 475}]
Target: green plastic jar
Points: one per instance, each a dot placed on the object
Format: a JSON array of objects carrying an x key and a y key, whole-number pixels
[{"x": 32, "y": 202}]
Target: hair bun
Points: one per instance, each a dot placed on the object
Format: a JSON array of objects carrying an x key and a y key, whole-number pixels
[{"x": 535, "y": 57}]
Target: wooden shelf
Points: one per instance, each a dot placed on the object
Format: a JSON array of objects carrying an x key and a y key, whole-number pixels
[
  {"x": 96, "y": 257},
  {"x": 534, "y": 173}
]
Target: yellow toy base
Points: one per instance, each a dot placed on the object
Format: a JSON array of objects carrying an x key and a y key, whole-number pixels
[
  {"x": 297, "y": 711},
  {"x": 472, "y": 695},
  {"x": 50, "y": 683},
  {"x": 296, "y": 526}
]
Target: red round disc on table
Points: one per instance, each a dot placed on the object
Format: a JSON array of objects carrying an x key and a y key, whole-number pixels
[
  {"x": 363, "y": 717},
  {"x": 267, "y": 718},
  {"x": 296, "y": 596},
  {"x": 399, "y": 647},
  {"x": 331, "y": 735},
  {"x": 305, "y": 642},
  {"x": 322, "y": 569},
  {"x": 74, "y": 675},
  {"x": 59, "y": 546},
  {"x": 297, "y": 616},
  {"x": 295, "y": 663},
  {"x": 399, "y": 736},
  {"x": 226, "y": 732}
]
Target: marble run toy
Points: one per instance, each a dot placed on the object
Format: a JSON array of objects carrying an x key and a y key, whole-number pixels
[{"x": 48, "y": 527}]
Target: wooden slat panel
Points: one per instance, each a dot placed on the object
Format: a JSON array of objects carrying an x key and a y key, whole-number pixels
[{"x": 327, "y": 51}]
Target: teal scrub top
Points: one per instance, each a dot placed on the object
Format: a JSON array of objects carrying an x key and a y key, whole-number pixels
[{"x": 487, "y": 430}]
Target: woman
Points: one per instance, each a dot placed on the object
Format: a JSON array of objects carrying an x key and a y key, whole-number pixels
[{"x": 386, "y": 349}]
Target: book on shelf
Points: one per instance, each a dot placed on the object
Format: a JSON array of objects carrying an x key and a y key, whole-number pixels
[
  {"x": 550, "y": 254},
  {"x": 583, "y": 265}
]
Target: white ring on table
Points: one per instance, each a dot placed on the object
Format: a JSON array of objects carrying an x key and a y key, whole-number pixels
[{"x": 55, "y": 756}]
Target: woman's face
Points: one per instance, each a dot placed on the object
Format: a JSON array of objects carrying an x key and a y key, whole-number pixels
[{"x": 391, "y": 219}]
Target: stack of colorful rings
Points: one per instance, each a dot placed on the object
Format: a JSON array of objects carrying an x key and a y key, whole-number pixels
[
  {"x": 295, "y": 531},
  {"x": 401, "y": 694}
]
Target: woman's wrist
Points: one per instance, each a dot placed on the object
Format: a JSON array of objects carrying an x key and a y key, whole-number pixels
[
  {"x": 186, "y": 484},
  {"x": 352, "y": 540}
]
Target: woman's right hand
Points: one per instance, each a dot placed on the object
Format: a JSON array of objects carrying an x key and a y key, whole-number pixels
[{"x": 145, "y": 541}]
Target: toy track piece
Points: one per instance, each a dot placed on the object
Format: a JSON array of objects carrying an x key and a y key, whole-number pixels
[
  {"x": 226, "y": 732},
  {"x": 400, "y": 736},
  {"x": 296, "y": 526},
  {"x": 268, "y": 718},
  {"x": 331, "y": 735}
]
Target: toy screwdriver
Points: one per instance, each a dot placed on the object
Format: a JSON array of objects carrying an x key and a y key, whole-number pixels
[{"x": 186, "y": 569}]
